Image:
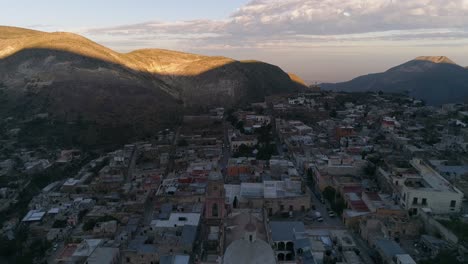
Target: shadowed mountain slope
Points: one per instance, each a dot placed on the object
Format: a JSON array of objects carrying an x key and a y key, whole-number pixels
[
  {"x": 69, "y": 76},
  {"x": 436, "y": 80}
]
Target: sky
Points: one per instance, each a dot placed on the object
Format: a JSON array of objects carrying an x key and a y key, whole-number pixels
[{"x": 320, "y": 40}]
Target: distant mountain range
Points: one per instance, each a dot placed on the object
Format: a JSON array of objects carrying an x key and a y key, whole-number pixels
[
  {"x": 434, "y": 79},
  {"x": 69, "y": 76}
]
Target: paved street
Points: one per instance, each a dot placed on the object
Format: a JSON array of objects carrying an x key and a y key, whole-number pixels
[{"x": 226, "y": 150}]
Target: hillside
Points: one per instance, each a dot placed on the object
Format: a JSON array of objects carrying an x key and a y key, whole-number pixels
[
  {"x": 70, "y": 77},
  {"x": 434, "y": 79}
]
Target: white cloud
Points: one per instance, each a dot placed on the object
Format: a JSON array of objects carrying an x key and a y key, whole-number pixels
[{"x": 263, "y": 22}]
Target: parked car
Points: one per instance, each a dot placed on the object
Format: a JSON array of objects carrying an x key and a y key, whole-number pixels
[
  {"x": 318, "y": 217},
  {"x": 331, "y": 213}
]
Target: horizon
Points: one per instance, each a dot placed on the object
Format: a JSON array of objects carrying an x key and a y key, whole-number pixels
[{"x": 320, "y": 41}]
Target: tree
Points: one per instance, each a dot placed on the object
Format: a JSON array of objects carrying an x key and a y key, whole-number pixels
[
  {"x": 265, "y": 151},
  {"x": 329, "y": 194},
  {"x": 182, "y": 143},
  {"x": 59, "y": 224},
  {"x": 370, "y": 169},
  {"x": 240, "y": 126},
  {"x": 444, "y": 257},
  {"x": 232, "y": 119},
  {"x": 243, "y": 151}
]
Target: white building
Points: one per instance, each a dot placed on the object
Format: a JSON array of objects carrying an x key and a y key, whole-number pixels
[
  {"x": 427, "y": 189},
  {"x": 177, "y": 220},
  {"x": 404, "y": 259}
]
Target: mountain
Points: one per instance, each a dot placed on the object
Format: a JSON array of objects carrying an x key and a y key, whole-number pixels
[
  {"x": 434, "y": 79},
  {"x": 70, "y": 77}
]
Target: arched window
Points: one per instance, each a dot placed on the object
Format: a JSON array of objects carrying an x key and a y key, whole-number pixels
[
  {"x": 290, "y": 246},
  {"x": 214, "y": 210},
  {"x": 235, "y": 202},
  {"x": 281, "y": 246},
  {"x": 281, "y": 257}
]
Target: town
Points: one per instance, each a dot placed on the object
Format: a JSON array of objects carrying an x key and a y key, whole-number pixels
[{"x": 314, "y": 177}]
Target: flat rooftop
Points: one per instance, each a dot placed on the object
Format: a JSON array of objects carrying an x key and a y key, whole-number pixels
[{"x": 431, "y": 178}]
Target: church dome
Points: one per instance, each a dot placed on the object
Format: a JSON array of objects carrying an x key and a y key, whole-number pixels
[{"x": 246, "y": 252}]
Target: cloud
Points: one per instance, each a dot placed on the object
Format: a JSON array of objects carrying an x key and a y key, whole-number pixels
[{"x": 291, "y": 22}]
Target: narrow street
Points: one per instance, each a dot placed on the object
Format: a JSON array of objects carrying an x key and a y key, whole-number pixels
[{"x": 226, "y": 151}]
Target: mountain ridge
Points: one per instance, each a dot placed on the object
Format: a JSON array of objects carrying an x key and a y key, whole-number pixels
[
  {"x": 436, "y": 59},
  {"x": 70, "y": 77},
  {"x": 434, "y": 79}
]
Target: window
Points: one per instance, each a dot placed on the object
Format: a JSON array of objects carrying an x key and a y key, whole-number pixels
[
  {"x": 281, "y": 207},
  {"x": 453, "y": 203},
  {"x": 214, "y": 210},
  {"x": 415, "y": 200},
  {"x": 250, "y": 238},
  {"x": 291, "y": 208},
  {"x": 424, "y": 201}
]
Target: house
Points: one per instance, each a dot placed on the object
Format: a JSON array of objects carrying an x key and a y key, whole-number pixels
[
  {"x": 404, "y": 259},
  {"x": 276, "y": 196},
  {"x": 283, "y": 238},
  {"x": 104, "y": 255},
  {"x": 140, "y": 252},
  {"x": 237, "y": 141},
  {"x": 421, "y": 186},
  {"x": 174, "y": 259},
  {"x": 388, "y": 250}
]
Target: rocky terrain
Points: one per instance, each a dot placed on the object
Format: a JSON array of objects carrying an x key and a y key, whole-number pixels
[{"x": 70, "y": 77}]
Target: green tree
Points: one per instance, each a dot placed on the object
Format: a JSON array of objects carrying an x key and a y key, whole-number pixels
[
  {"x": 243, "y": 151},
  {"x": 444, "y": 257},
  {"x": 329, "y": 194},
  {"x": 240, "y": 126},
  {"x": 370, "y": 169},
  {"x": 182, "y": 143}
]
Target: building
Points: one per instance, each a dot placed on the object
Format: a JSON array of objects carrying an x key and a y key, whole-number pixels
[
  {"x": 283, "y": 236},
  {"x": 428, "y": 189},
  {"x": 140, "y": 252},
  {"x": 175, "y": 259},
  {"x": 213, "y": 221},
  {"x": 249, "y": 249},
  {"x": 388, "y": 250},
  {"x": 276, "y": 196},
  {"x": 238, "y": 167},
  {"x": 104, "y": 255},
  {"x": 404, "y": 259}
]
